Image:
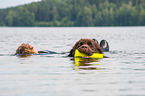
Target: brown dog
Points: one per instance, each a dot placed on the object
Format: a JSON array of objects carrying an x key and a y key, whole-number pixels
[
  {"x": 87, "y": 46},
  {"x": 26, "y": 49}
]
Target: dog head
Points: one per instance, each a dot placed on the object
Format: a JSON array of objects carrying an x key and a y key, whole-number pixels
[
  {"x": 87, "y": 46},
  {"x": 26, "y": 49}
]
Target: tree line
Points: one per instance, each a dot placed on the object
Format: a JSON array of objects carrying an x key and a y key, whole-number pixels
[{"x": 76, "y": 13}]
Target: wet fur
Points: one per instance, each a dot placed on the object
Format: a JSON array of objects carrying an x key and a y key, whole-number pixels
[{"x": 87, "y": 46}]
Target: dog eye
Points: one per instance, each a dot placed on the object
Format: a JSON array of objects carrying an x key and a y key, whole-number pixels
[
  {"x": 81, "y": 43},
  {"x": 89, "y": 43}
]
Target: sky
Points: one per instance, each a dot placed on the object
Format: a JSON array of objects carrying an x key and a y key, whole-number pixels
[{"x": 12, "y": 3}]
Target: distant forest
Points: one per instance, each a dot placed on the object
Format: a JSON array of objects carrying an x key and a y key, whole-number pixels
[{"x": 76, "y": 13}]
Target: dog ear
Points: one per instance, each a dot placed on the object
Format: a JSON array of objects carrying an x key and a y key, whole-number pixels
[
  {"x": 96, "y": 40},
  {"x": 72, "y": 51},
  {"x": 98, "y": 48}
]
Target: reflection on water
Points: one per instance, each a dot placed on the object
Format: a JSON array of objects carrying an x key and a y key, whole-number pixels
[
  {"x": 86, "y": 63},
  {"x": 122, "y": 74}
]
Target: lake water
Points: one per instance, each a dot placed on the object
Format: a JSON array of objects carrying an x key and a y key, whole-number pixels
[{"x": 122, "y": 74}]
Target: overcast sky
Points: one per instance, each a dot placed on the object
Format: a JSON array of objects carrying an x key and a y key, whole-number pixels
[{"x": 12, "y": 3}]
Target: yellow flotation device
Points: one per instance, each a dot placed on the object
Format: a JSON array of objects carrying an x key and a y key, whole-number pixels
[{"x": 95, "y": 55}]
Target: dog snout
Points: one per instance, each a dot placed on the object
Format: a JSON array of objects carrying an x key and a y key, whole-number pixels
[{"x": 84, "y": 46}]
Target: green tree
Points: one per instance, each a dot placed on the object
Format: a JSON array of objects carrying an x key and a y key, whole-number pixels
[
  {"x": 76, "y": 13},
  {"x": 141, "y": 20},
  {"x": 87, "y": 19},
  {"x": 10, "y": 18},
  {"x": 20, "y": 17}
]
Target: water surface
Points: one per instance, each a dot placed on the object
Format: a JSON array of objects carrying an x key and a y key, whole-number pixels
[{"x": 122, "y": 74}]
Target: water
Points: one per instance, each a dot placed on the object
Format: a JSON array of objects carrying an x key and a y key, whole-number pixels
[{"x": 122, "y": 74}]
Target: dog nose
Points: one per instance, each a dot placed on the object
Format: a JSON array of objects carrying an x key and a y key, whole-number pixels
[{"x": 84, "y": 46}]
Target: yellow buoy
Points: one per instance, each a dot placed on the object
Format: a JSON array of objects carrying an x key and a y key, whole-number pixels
[{"x": 95, "y": 55}]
